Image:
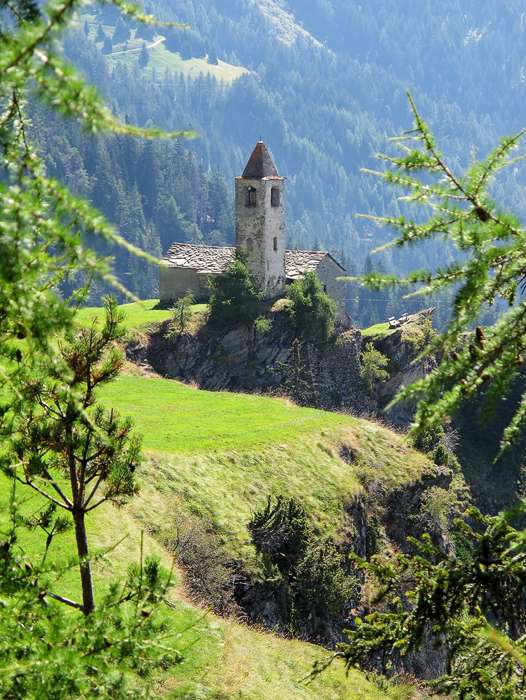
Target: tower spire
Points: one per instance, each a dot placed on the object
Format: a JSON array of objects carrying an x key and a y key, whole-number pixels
[
  {"x": 260, "y": 221},
  {"x": 260, "y": 164}
]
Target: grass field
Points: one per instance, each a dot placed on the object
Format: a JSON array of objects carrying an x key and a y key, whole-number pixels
[
  {"x": 290, "y": 453},
  {"x": 219, "y": 455},
  {"x": 160, "y": 59},
  {"x": 223, "y": 660},
  {"x": 379, "y": 330},
  {"x": 175, "y": 418},
  {"x": 138, "y": 316}
]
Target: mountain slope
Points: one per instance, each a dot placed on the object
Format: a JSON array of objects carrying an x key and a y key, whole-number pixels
[
  {"x": 220, "y": 455},
  {"x": 279, "y": 448},
  {"x": 324, "y": 84}
]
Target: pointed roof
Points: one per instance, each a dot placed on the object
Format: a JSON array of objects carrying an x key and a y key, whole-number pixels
[{"x": 260, "y": 164}]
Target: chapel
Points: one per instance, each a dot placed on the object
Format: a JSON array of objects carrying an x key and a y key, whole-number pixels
[{"x": 260, "y": 235}]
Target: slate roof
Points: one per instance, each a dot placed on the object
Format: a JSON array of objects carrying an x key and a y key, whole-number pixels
[
  {"x": 208, "y": 259},
  {"x": 203, "y": 258},
  {"x": 298, "y": 262},
  {"x": 260, "y": 164}
]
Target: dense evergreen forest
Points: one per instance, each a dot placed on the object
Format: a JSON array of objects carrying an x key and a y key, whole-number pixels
[{"x": 323, "y": 83}]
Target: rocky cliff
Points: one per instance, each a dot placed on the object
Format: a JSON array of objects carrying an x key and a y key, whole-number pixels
[
  {"x": 269, "y": 360},
  {"x": 251, "y": 360}
]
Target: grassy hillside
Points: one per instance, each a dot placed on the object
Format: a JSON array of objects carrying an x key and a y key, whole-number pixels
[
  {"x": 138, "y": 316},
  {"x": 219, "y": 455},
  {"x": 379, "y": 330},
  {"x": 160, "y": 59},
  {"x": 222, "y": 659}
]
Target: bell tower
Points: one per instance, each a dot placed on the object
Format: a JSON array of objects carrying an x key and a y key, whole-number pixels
[{"x": 260, "y": 221}]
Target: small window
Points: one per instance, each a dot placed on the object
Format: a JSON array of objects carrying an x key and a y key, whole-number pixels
[
  {"x": 251, "y": 197},
  {"x": 275, "y": 197},
  {"x": 275, "y": 244},
  {"x": 325, "y": 288},
  {"x": 250, "y": 245}
]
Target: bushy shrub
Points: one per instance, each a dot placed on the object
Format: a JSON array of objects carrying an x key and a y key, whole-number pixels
[
  {"x": 209, "y": 575},
  {"x": 308, "y": 573},
  {"x": 373, "y": 367},
  {"x": 418, "y": 334},
  {"x": 280, "y": 532},
  {"x": 262, "y": 325},
  {"x": 439, "y": 445},
  {"x": 234, "y": 297},
  {"x": 312, "y": 310},
  {"x": 323, "y": 589},
  {"x": 181, "y": 315}
]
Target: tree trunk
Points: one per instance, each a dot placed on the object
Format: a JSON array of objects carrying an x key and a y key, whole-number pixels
[{"x": 88, "y": 602}]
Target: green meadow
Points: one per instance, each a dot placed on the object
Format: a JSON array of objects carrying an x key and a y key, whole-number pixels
[
  {"x": 177, "y": 419},
  {"x": 160, "y": 59},
  {"x": 140, "y": 315},
  {"x": 218, "y": 456},
  {"x": 377, "y": 331}
]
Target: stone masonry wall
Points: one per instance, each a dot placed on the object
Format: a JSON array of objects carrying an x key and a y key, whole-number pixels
[
  {"x": 260, "y": 233},
  {"x": 328, "y": 272},
  {"x": 174, "y": 282}
]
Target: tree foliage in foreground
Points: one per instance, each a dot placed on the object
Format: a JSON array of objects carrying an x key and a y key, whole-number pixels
[
  {"x": 470, "y": 607},
  {"x": 490, "y": 269},
  {"x": 50, "y": 426},
  {"x": 48, "y": 653},
  {"x": 72, "y": 451}
]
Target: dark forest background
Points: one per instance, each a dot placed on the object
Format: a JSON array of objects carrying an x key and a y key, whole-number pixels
[{"x": 325, "y": 88}]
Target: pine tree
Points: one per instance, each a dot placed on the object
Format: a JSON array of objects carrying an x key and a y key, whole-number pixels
[
  {"x": 107, "y": 47},
  {"x": 234, "y": 297},
  {"x": 101, "y": 34},
  {"x": 490, "y": 270},
  {"x": 311, "y": 310},
  {"x": 469, "y": 605},
  {"x": 122, "y": 32},
  {"x": 144, "y": 32},
  {"x": 144, "y": 56},
  {"x": 82, "y": 444}
]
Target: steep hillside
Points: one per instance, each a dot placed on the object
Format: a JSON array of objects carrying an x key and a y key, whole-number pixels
[
  {"x": 223, "y": 659},
  {"x": 216, "y": 457},
  {"x": 219, "y": 455}
]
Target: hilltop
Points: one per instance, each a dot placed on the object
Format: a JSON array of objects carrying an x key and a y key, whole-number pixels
[{"x": 211, "y": 460}]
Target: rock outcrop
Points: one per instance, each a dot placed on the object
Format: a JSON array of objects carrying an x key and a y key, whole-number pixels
[
  {"x": 402, "y": 346},
  {"x": 248, "y": 360}
]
